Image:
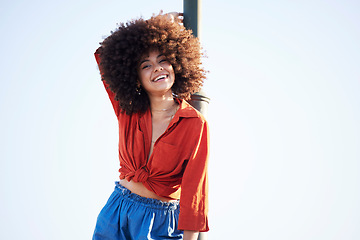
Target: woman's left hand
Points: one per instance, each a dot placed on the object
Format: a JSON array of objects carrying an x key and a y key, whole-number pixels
[{"x": 176, "y": 15}]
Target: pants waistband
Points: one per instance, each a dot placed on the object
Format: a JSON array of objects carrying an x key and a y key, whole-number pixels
[{"x": 147, "y": 202}]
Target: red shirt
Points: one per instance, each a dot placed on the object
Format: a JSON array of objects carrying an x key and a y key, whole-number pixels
[{"x": 177, "y": 167}]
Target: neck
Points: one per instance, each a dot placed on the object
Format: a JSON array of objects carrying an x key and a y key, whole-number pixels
[{"x": 161, "y": 103}]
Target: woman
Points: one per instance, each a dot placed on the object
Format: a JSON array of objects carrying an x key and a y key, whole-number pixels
[{"x": 149, "y": 68}]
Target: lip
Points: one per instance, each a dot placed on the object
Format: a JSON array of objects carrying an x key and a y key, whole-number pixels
[{"x": 160, "y": 77}]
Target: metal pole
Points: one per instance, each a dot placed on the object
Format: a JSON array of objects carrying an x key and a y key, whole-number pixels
[
  {"x": 192, "y": 20},
  {"x": 192, "y": 16}
]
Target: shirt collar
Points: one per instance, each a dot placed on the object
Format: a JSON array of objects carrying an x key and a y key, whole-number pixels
[{"x": 185, "y": 110}]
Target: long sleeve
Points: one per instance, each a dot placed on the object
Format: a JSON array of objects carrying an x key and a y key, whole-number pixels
[
  {"x": 194, "y": 187},
  {"x": 111, "y": 94}
]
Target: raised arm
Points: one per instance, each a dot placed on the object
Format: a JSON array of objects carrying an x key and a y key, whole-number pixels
[{"x": 111, "y": 94}]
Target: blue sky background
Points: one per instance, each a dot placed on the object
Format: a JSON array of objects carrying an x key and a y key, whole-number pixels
[{"x": 284, "y": 115}]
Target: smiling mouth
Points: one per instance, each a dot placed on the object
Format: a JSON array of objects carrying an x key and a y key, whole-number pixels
[{"x": 161, "y": 77}]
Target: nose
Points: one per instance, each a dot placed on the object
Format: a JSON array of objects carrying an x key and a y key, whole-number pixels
[{"x": 158, "y": 68}]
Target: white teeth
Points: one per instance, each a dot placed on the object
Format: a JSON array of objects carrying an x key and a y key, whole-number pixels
[{"x": 159, "y": 77}]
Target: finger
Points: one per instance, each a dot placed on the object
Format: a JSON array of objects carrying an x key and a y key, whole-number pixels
[{"x": 175, "y": 15}]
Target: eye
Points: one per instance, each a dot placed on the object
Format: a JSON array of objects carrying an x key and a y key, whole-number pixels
[
  {"x": 162, "y": 60},
  {"x": 145, "y": 66}
]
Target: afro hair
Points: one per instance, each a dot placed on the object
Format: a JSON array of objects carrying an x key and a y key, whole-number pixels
[{"x": 121, "y": 52}]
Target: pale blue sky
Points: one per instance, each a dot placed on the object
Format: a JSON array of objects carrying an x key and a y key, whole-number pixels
[{"x": 284, "y": 116}]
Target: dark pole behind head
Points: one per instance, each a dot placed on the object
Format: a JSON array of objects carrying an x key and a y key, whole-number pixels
[
  {"x": 192, "y": 20},
  {"x": 192, "y": 16}
]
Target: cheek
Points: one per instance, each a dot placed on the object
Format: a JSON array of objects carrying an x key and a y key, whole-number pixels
[
  {"x": 172, "y": 73},
  {"x": 142, "y": 76},
  {"x": 171, "y": 69}
]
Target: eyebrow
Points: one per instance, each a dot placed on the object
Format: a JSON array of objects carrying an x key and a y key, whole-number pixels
[{"x": 146, "y": 60}]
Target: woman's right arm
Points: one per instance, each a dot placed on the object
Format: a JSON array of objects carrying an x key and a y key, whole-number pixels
[{"x": 111, "y": 94}]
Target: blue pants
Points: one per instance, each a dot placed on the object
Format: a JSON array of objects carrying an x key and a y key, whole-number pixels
[{"x": 128, "y": 216}]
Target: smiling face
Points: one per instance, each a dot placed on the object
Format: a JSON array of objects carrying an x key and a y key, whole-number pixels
[{"x": 156, "y": 74}]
